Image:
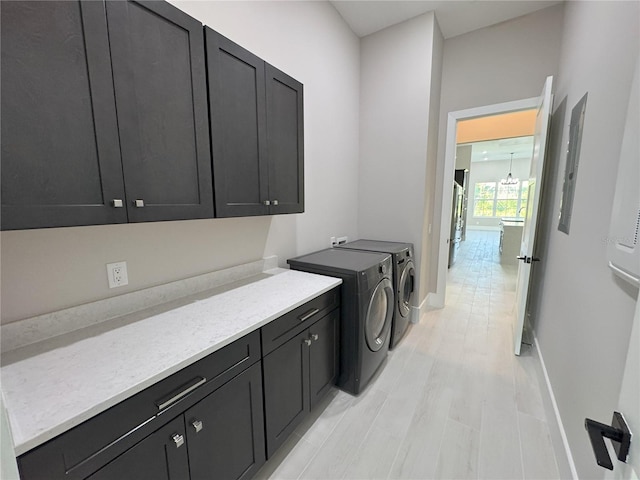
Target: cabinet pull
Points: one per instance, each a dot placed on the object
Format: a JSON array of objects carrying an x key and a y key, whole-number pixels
[
  {"x": 171, "y": 398},
  {"x": 138, "y": 203},
  {"x": 178, "y": 440},
  {"x": 197, "y": 425},
  {"x": 117, "y": 203},
  {"x": 267, "y": 202},
  {"x": 314, "y": 337},
  {"x": 275, "y": 202},
  {"x": 307, "y": 342},
  {"x": 309, "y": 314}
]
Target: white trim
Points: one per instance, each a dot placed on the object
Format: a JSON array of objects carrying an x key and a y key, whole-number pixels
[
  {"x": 416, "y": 314},
  {"x": 449, "y": 167},
  {"x": 434, "y": 300},
  {"x": 563, "y": 434},
  {"x": 430, "y": 302}
]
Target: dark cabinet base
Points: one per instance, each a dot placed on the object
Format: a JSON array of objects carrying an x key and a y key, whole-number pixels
[
  {"x": 160, "y": 456},
  {"x": 297, "y": 375},
  {"x": 225, "y": 433}
]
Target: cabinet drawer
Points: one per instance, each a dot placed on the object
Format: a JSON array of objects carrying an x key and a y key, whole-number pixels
[
  {"x": 290, "y": 324},
  {"x": 82, "y": 450}
]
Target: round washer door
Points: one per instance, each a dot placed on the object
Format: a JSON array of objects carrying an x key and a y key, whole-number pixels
[
  {"x": 405, "y": 289},
  {"x": 379, "y": 315}
]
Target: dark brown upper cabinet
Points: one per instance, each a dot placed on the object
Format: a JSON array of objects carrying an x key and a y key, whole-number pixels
[
  {"x": 161, "y": 97},
  {"x": 257, "y": 133},
  {"x": 60, "y": 150},
  {"x": 104, "y": 114}
]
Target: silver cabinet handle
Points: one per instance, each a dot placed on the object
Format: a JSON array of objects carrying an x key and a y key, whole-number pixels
[
  {"x": 178, "y": 440},
  {"x": 267, "y": 202},
  {"x": 197, "y": 425},
  {"x": 308, "y": 315},
  {"x": 314, "y": 336},
  {"x": 169, "y": 399},
  {"x": 274, "y": 202},
  {"x": 138, "y": 203},
  {"x": 307, "y": 342},
  {"x": 117, "y": 203}
]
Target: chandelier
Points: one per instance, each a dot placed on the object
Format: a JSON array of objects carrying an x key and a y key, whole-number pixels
[{"x": 510, "y": 180}]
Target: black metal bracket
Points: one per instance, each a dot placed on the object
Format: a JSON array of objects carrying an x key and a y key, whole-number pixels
[{"x": 619, "y": 434}]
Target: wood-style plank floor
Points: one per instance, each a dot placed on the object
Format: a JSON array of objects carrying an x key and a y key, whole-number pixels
[{"x": 452, "y": 401}]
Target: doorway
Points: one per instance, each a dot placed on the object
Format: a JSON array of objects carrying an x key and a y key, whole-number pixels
[
  {"x": 526, "y": 257},
  {"x": 454, "y": 119},
  {"x": 492, "y": 163}
]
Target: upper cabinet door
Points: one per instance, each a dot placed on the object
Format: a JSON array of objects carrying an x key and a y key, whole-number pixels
[
  {"x": 60, "y": 152},
  {"x": 160, "y": 84},
  {"x": 238, "y": 133},
  {"x": 285, "y": 134}
]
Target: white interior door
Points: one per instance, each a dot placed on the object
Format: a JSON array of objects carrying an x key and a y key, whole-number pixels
[{"x": 530, "y": 223}]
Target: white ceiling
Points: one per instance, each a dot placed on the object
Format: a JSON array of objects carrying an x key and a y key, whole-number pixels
[
  {"x": 455, "y": 17},
  {"x": 491, "y": 150}
]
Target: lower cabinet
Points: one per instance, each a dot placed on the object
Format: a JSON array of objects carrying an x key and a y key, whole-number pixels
[
  {"x": 161, "y": 456},
  {"x": 297, "y": 375},
  {"x": 323, "y": 357},
  {"x": 220, "y": 417},
  {"x": 225, "y": 434},
  {"x": 221, "y": 436},
  {"x": 204, "y": 419}
]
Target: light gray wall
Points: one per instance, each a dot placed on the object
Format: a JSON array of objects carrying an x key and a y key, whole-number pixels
[
  {"x": 501, "y": 63},
  {"x": 463, "y": 156},
  {"x": 396, "y": 84},
  {"x": 583, "y": 314},
  {"x": 46, "y": 270},
  {"x": 432, "y": 162}
]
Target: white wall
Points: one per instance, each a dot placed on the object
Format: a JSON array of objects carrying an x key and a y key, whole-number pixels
[
  {"x": 497, "y": 64},
  {"x": 583, "y": 314},
  {"x": 46, "y": 270},
  {"x": 396, "y": 86}
]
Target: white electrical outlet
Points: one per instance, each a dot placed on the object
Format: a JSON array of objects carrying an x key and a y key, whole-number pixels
[
  {"x": 117, "y": 274},
  {"x": 342, "y": 240},
  {"x": 332, "y": 242}
]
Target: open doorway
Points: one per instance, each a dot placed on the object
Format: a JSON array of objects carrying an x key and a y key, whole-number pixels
[
  {"x": 456, "y": 119},
  {"x": 526, "y": 257},
  {"x": 492, "y": 162}
]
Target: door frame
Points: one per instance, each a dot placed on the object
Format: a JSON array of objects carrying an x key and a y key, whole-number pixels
[{"x": 449, "y": 168}]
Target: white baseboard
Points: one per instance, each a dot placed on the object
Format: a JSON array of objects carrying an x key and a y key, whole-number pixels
[
  {"x": 430, "y": 302},
  {"x": 434, "y": 300},
  {"x": 556, "y": 411}
]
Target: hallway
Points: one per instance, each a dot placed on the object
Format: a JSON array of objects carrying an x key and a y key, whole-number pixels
[{"x": 451, "y": 402}]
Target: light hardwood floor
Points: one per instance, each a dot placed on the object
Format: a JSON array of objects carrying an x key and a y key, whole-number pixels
[{"x": 452, "y": 401}]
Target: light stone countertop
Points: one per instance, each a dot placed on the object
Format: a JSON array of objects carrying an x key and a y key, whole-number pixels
[
  {"x": 506, "y": 223},
  {"x": 56, "y": 384}
]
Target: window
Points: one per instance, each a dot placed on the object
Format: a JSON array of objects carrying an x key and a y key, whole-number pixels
[
  {"x": 484, "y": 199},
  {"x": 492, "y": 199}
]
